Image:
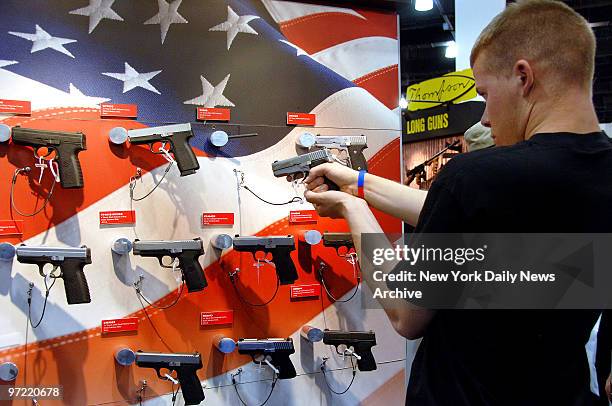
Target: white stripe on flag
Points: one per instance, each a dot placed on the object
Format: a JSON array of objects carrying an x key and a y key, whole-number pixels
[
  {"x": 359, "y": 57},
  {"x": 283, "y": 11}
]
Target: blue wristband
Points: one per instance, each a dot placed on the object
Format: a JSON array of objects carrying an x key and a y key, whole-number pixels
[{"x": 360, "y": 183}]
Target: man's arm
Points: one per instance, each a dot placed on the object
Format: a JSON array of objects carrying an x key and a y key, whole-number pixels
[
  {"x": 408, "y": 320},
  {"x": 383, "y": 194}
]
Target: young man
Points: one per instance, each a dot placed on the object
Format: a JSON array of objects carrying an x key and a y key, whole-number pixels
[{"x": 550, "y": 172}]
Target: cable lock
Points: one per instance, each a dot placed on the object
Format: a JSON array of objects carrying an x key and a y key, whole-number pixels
[
  {"x": 27, "y": 169},
  {"x": 235, "y": 385}
]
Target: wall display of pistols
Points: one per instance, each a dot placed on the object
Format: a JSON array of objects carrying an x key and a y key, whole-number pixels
[{"x": 435, "y": 163}]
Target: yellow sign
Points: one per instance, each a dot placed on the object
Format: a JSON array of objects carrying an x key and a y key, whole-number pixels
[
  {"x": 431, "y": 123},
  {"x": 453, "y": 87}
]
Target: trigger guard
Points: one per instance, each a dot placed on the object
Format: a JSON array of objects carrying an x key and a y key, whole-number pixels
[
  {"x": 49, "y": 149},
  {"x": 161, "y": 262},
  {"x": 163, "y": 146}
]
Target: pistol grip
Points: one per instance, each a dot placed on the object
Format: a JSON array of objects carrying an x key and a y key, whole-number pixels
[
  {"x": 75, "y": 282},
  {"x": 190, "y": 386},
  {"x": 285, "y": 367},
  {"x": 192, "y": 272},
  {"x": 184, "y": 156},
  {"x": 367, "y": 361},
  {"x": 331, "y": 185},
  {"x": 358, "y": 161},
  {"x": 71, "y": 175},
  {"x": 285, "y": 268}
]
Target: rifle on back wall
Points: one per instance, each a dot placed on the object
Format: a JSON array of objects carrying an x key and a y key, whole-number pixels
[{"x": 419, "y": 171}]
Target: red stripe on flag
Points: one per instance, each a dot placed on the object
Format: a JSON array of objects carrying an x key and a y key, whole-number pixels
[
  {"x": 316, "y": 32},
  {"x": 382, "y": 84}
]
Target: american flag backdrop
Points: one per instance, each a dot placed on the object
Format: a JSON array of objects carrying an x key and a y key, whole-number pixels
[
  {"x": 280, "y": 58},
  {"x": 262, "y": 59}
]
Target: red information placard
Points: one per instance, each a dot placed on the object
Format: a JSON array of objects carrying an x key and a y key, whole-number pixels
[
  {"x": 11, "y": 227},
  {"x": 119, "y": 110},
  {"x": 215, "y": 318},
  {"x": 216, "y": 114},
  {"x": 117, "y": 217},
  {"x": 119, "y": 325},
  {"x": 15, "y": 106},
  {"x": 300, "y": 291},
  {"x": 301, "y": 119},
  {"x": 217, "y": 219},
  {"x": 302, "y": 217}
]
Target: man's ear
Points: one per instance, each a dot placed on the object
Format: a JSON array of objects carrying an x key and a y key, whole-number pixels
[{"x": 523, "y": 71}]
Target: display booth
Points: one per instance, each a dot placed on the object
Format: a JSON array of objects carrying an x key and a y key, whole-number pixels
[{"x": 146, "y": 221}]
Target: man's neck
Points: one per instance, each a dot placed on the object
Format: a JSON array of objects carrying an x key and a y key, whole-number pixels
[{"x": 574, "y": 113}]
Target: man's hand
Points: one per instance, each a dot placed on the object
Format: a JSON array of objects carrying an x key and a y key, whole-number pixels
[
  {"x": 334, "y": 204},
  {"x": 344, "y": 177}
]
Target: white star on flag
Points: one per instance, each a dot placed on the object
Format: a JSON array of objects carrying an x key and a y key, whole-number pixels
[
  {"x": 131, "y": 79},
  {"x": 234, "y": 25},
  {"x": 97, "y": 11},
  {"x": 299, "y": 50},
  {"x": 4, "y": 63},
  {"x": 42, "y": 40},
  {"x": 168, "y": 14},
  {"x": 212, "y": 96},
  {"x": 81, "y": 99}
]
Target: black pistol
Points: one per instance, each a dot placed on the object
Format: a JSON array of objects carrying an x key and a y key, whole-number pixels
[
  {"x": 70, "y": 261},
  {"x": 358, "y": 343},
  {"x": 184, "y": 364},
  {"x": 177, "y": 137},
  {"x": 66, "y": 147},
  {"x": 302, "y": 164},
  {"x": 274, "y": 350},
  {"x": 279, "y": 246},
  {"x": 338, "y": 240},
  {"x": 188, "y": 252}
]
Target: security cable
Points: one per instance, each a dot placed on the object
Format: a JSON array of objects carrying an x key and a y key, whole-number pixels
[
  {"x": 235, "y": 384},
  {"x": 138, "y": 289},
  {"x": 295, "y": 199},
  {"x": 47, "y": 291},
  {"x": 144, "y": 310},
  {"x": 329, "y": 386},
  {"x": 12, "y": 193},
  {"x": 134, "y": 178},
  {"x": 331, "y": 296},
  {"x": 234, "y": 275},
  {"x": 174, "y": 302},
  {"x": 174, "y": 394}
]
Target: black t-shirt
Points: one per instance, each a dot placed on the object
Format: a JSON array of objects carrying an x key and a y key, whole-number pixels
[{"x": 551, "y": 183}]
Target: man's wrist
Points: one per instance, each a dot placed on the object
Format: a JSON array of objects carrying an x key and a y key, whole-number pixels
[
  {"x": 353, "y": 206},
  {"x": 352, "y": 188}
]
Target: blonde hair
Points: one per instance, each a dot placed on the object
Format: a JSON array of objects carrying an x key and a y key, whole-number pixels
[{"x": 546, "y": 33}]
